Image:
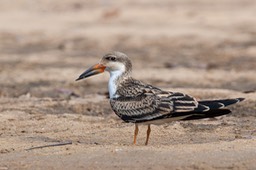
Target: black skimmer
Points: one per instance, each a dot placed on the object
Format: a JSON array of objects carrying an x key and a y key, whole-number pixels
[{"x": 136, "y": 102}]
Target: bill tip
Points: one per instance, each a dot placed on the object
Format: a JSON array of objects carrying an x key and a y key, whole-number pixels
[{"x": 79, "y": 78}]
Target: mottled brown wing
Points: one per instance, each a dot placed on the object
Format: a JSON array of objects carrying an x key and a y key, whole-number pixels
[
  {"x": 138, "y": 102},
  {"x": 133, "y": 88}
]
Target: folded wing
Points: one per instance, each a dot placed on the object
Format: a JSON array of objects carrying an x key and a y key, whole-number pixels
[{"x": 141, "y": 103}]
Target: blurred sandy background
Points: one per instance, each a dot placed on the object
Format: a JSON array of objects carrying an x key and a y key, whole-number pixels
[{"x": 204, "y": 48}]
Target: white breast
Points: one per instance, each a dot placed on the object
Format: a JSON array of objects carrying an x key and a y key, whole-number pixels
[
  {"x": 116, "y": 70},
  {"x": 112, "y": 86}
]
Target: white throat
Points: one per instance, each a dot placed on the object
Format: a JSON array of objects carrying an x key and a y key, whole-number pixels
[
  {"x": 114, "y": 75},
  {"x": 112, "y": 86}
]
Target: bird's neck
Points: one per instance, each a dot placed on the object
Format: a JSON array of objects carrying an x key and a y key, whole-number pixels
[{"x": 116, "y": 77}]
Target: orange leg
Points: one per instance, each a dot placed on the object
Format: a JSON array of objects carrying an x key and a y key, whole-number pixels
[
  {"x": 148, "y": 133},
  {"x": 136, "y": 131}
]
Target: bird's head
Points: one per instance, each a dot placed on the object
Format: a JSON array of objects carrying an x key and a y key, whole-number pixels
[{"x": 112, "y": 62}]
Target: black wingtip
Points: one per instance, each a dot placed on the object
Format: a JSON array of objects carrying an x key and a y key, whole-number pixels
[
  {"x": 208, "y": 114},
  {"x": 240, "y": 99}
]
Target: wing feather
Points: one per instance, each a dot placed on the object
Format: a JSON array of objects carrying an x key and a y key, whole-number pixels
[{"x": 138, "y": 102}]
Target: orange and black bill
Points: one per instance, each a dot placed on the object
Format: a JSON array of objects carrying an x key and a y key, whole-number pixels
[{"x": 96, "y": 69}]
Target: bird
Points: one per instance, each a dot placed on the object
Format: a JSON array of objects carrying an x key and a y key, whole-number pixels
[{"x": 143, "y": 104}]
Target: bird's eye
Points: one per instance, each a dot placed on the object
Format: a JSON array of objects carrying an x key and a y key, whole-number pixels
[{"x": 111, "y": 58}]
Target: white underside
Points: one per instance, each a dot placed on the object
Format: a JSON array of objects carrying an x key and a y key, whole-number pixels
[{"x": 163, "y": 121}]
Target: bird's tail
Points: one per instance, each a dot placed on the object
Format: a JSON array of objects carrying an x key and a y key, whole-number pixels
[
  {"x": 215, "y": 109},
  {"x": 217, "y": 104}
]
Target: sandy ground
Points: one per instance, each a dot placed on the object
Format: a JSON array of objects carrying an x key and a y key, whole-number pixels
[{"x": 204, "y": 48}]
